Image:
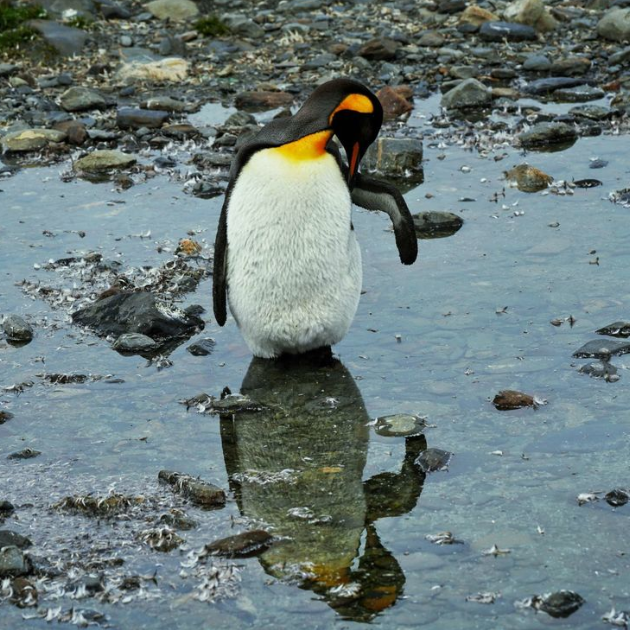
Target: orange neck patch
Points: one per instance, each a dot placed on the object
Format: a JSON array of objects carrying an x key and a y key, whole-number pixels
[
  {"x": 306, "y": 148},
  {"x": 356, "y": 103}
]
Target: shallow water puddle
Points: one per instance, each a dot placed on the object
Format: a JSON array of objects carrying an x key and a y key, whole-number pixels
[{"x": 351, "y": 508}]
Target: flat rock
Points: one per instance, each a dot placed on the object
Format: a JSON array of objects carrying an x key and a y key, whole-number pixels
[
  {"x": 591, "y": 112},
  {"x": 469, "y": 93},
  {"x": 615, "y": 25},
  {"x": 400, "y": 425},
  {"x": 476, "y": 15},
  {"x": 602, "y": 349},
  {"x": 509, "y": 31},
  {"x": 16, "y": 328},
  {"x": 134, "y": 343},
  {"x": 616, "y": 329},
  {"x": 543, "y": 134},
  {"x": 245, "y": 545},
  {"x": 25, "y": 453},
  {"x": 132, "y": 118},
  {"x": 394, "y": 101},
  {"x": 256, "y": 101},
  {"x": 547, "y": 86},
  {"x": 196, "y": 490},
  {"x": 66, "y": 40},
  {"x": 379, "y": 49},
  {"x": 202, "y": 348},
  {"x": 528, "y": 178},
  {"x": 79, "y": 98},
  {"x": 7, "y": 69},
  {"x": 105, "y": 160},
  {"x": 578, "y": 94},
  {"x": 169, "y": 70},
  {"x": 433, "y": 460},
  {"x": 435, "y": 224},
  {"x": 168, "y": 104},
  {"x": 509, "y": 399},
  {"x": 13, "y": 562},
  {"x": 395, "y": 157},
  {"x": 137, "y": 312},
  {"x": 175, "y": 10},
  {"x": 30, "y": 140},
  {"x": 571, "y": 67},
  {"x": 10, "y": 538}
]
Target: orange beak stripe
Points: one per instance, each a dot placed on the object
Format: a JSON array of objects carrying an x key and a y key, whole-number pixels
[
  {"x": 356, "y": 103},
  {"x": 353, "y": 159}
]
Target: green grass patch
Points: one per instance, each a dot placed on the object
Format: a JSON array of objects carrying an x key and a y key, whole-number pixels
[
  {"x": 12, "y": 17},
  {"x": 82, "y": 22},
  {"x": 211, "y": 26},
  {"x": 16, "y": 37}
]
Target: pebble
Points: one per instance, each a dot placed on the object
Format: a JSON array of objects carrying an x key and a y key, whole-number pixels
[
  {"x": 197, "y": 491},
  {"x": 175, "y": 10},
  {"x": 434, "y": 224},
  {"x": 615, "y": 25},
  {"x": 433, "y": 460},
  {"x": 536, "y": 62},
  {"x": 13, "y": 562},
  {"x": 509, "y": 399},
  {"x": 134, "y": 343},
  {"x": 16, "y": 328},
  {"x": 262, "y": 100},
  {"x": 476, "y": 15},
  {"x": 467, "y": 94},
  {"x": 132, "y": 118},
  {"x": 28, "y": 140},
  {"x": 602, "y": 349},
  {"x": 78, "y": 99},
  {"x": 508, "y": 31},
  {"x": 379, "y": 49},
  {"x": 245, "y": 545},
  {"x": 104, "y": 160},
  {"x": 202, "y": 348},
  {"x": 528, "y": 178},
  {"x": 571, "y": 66},
  {"x": 168, "y": 104}
]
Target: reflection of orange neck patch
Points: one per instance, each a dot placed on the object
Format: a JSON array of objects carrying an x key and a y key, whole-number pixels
[
  {"x": 307, "y": 148},
  {"x": 356, "y": 103}
]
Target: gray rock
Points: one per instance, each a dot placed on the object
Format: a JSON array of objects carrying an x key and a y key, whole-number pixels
[
  {"x": 615, "y": 25},
  {"x": 545, "y": 134},
  {"x": 17, "y": 328},
  {"x": 66, "y": 40},
  {"x": 131, "y": 118},
  {"x": 602, "y": 349},
  {"x": 172, "y": 46},
  {"x": 10, "y": 538},
  {"x": 578, "y": 94},
  {"x": 431, "y": 39},
  {"x": 380, "y": 49},
  {"x": 547, "y": 86},
  {"x": 137, "y": 312},
  {"x": 617, "y": 497},
  {"x": 400, "y": 425},
  {"x": 242, "y": 25},
  {"x": 175, "y": 10},
  {"x": 571, "y": 67},
  {"x": 620, "y": 57},
  {"x": 103, "y": 161},
  {"x": 433, "y": 459},
  {"x": 56, "y": 8},
  {"x": 560, "y": 604},
  {"x": 13, "y": 562},
  {"x": 168, "y": 104},
  {"x": 469, "y": 93},
  {"x": 616, "y": 329},
  {"x": 6, "y": 508},
  {"x": 197, "y": 491},
  {"x": 245, "y": 545},
  {"x": 25, "y": 453},
  {"x": 433, "y": 224},
  {"x": 510, "y": 31},
  {"x": 126, "y": 41},
  {"x": 30, "y": 140},
  {"x": 7, "y": 69},
  {"x": 202, "y": 348},
  {"x": 395, "y": 157},
  {"x": 536, "y": 63},
  {"x": 134, "y": 343},
  {"x": 592, "y": 112},
  {"x": 599, "y": 369},
  {"x": 78, "y": 99}
]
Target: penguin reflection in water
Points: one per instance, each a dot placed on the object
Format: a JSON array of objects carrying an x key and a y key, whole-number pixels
[
  {"x": 297, "y": 466},
  {"x": 286, "y": 257}
]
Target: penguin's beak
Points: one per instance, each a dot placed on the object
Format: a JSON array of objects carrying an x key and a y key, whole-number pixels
[{"x": 353, "y": 163}]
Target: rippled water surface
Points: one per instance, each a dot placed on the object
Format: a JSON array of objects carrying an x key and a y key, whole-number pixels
[{"x": 473, "y": 317}]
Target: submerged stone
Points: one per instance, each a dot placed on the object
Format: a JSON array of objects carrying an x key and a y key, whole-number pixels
[
  {"x": 528, "y": 178},
  {"x": 4, "y": 416},
  {"x": 600, "y": 369},
  {"x": 196, "y": 490},
  {"x": 433, "y": 460},
  {"x": 433, "y": 224},
  {"x": 96, "y": 506},
  {"x": 202, "y": 348},
  {"x": 16, "y": 328},
  {"x": 13, "y": 562},
  {"x": 400, "y": 425},
  {"x": 9, "y": 538},
  {"x": 616, "y": 329},
  {"x": 245, "y": 545},
  {"x": 602, "y": 349},
  {"x": 26, "y": 453},
  {"x": 6, "y": 508},
  {"x": 544, "y": 134}
]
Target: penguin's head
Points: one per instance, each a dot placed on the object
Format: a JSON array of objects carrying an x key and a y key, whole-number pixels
[{"x": 351, "y": 112}]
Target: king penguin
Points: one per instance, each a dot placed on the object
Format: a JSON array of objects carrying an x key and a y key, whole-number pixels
[{"x": 286, "y": 258}]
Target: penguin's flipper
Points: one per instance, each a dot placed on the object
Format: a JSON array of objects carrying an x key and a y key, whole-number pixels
[
  {"x": 219, "y": 274},
  {"x": 373, "y": 194}
]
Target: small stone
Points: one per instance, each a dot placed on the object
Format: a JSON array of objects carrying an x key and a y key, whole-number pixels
[
  {"x": 169, "y": 70},
  {"x": 6, "y": 508},
  {"x": 469, "y": 93},
  {"x": 245, "y": 545},
  {"x": 579, "y": 94},
  {"x": 602, "y": 349},
  {"x": 75, "y": 130},
  {"x": 134, "y": 343},
  {"x": 66, "y": 40},
  {"x": 13, "y": 562},
  {"x": 476, "y": 15},
  {"x": 591, "y": 112},
  {"x": 131, "y": 118},
  {"x": 571, "y": 67},
  {"x": 379, "y": 49},
  {"x": 530, "y": 12},
  {"x": 105, "y": 160},
  {"x": 4, "y": 416},
  {"x": 178, "y": 519},
  {"x": 188, "y": 247},
  {"x": 79, "y": 99},
  {"x": 262, "y": 100},
  {"x": 168, "y": 104},
  {"x": 16, "y": 328},
  {"x": 616, "y": 498},
  {"x": 616, "y": 329},
  {"x": 433, "y": 460},
  {"x": 615, "y": 25},
  {"x": 544, "y": 134},
  {"x": 30, "y": 140},
  {"x": 600, "y": 369},
  {"x": 433, "y": 224},
  {"x": 400, "y": 425},
  {"x": 242, "y": 25},
  {"x": 202, "y": 348},
  {"x": 560, "y": 604},
  {"x": 443, "y": 538},
  {"x": 509, "y": 399},
  {"x": 197, "y": 491},
  {"x": 536, "y": 62},
  {"x": 393, "y": 102},
  {"x": 10, "y": 538},
  {"x": 431, "y": 39},
  {"x": 395, "y": 157},
  {"x": 509, "y": 31},
  {"x": 528, "y": 178},
  {"x": 26, "y": 453},
  {"x": 175, "y": 10}
]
